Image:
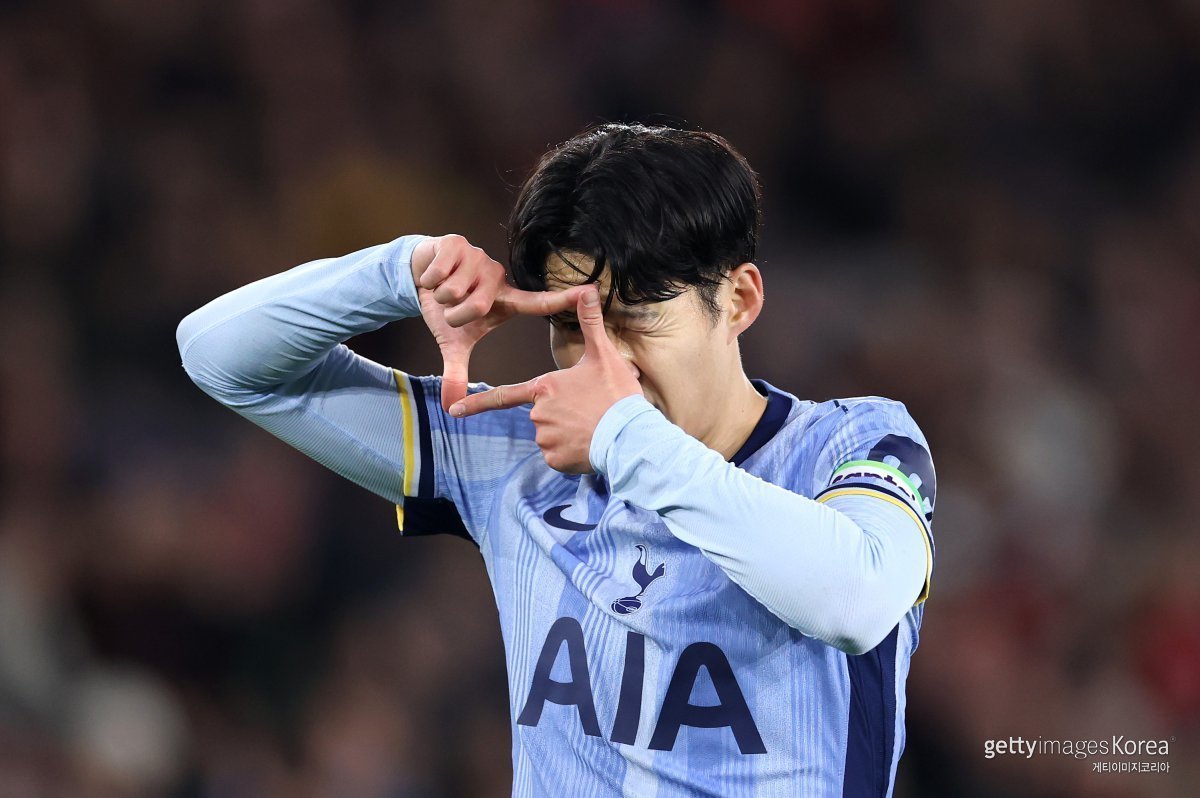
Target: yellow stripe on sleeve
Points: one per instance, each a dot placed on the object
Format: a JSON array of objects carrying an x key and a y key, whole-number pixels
[
  {"x": 410, "y": 459},
  {"x": 848, "y": 491}
]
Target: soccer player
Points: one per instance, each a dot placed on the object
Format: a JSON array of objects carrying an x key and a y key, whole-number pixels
[{"x": 706, "y": 586}]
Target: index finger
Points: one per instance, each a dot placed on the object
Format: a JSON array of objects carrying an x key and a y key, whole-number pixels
[
  {"x": 498, "y": 398},
  {"x": 539, "y": 303}
]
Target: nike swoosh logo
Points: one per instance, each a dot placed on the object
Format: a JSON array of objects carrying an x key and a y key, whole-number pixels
[{"x": 554, "y": 517}]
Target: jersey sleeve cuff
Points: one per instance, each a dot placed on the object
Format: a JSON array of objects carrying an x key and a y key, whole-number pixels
[
  {"x": 401, "y": 262},
  {"x": 615, "y": 419}
]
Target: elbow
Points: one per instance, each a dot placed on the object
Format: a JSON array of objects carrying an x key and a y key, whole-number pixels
[
  {"x": 868, "y": 621},
  {"x": 208, "y": 354},
  {"x": 187, "y": 335},
  {"x": 220, "y": 356},
  {"x": 854, "y": 627},
  {"x": 858, "y": 642}
]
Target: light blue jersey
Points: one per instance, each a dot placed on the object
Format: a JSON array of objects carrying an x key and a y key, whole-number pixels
[{"x": 674, "y": 624}]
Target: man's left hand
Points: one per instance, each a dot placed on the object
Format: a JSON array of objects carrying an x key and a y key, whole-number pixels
[{"x": 568, "y": 404}]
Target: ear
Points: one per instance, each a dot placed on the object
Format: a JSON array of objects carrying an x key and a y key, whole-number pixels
[{"x": 745, "y": 299}]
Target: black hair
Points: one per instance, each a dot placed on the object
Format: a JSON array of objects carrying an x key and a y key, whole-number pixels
[{"x": 662, "y": 209}]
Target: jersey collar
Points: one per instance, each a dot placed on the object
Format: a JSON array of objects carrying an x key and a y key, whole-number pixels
[{"x": 778, "y": 407}]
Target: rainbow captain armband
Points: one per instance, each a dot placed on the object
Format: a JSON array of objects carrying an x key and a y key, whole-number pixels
[{"x": 886, "y": 476}]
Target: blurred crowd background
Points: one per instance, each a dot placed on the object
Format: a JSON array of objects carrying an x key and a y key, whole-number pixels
[{"x": 990, "y": 211}]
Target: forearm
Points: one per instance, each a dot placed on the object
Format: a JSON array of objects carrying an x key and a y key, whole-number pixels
[
  {"x": 843, "y": 572},
  {"x": 275, "y": 330},
  {"x": 273, "y": 352}
]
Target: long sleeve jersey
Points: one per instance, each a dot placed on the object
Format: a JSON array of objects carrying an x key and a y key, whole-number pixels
[{"x": 674, "y": 623}]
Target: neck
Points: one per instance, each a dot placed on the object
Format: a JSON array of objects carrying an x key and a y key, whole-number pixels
[{"x": 737, "y": 418}]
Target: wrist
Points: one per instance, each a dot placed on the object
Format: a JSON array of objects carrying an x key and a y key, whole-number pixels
[{"x": 614, "y": 420}]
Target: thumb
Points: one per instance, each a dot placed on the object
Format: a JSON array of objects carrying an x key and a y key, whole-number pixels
[
  {"x": 454, "y": 375},
  {"x": 591, "y": 322}
]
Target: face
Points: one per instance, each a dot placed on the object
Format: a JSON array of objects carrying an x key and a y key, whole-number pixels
[{"x": 682, "y": 357}]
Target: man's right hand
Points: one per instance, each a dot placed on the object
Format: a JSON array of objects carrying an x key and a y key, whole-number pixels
[{"x": 464, "y": 296}]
